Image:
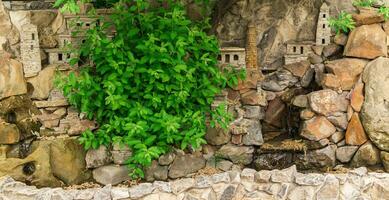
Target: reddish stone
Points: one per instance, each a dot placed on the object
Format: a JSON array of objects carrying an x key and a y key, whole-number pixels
[
  {"x": 330, "y": 81},
  {"x": 236, "y": 139},
  {"x": 327, "y": 102},
  {"x": 317, "y": 128},
  {"x": 347, "y": 71},
  {"x": 252, "y": 78},
  {"x": 307, "y": 114},
  {"x": 366, "y": 17},
  {"x": 233, "y": 95},
  {"x": 357, "y": 97},
  {"x": 275, "y": 112},
  {"x": 298, "y": 69},
  {"x": 355, "y": 134}
]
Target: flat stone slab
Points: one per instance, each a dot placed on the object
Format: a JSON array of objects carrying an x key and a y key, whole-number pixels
[
  {"x": 53, "y": 103},
  {"x": 256, "y": 185}
]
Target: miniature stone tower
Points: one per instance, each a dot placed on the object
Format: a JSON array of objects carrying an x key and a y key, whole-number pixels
[
  {"x": 30, "y": 52},
  {"x": 323, "y": 31},
  {"x": 251, "y": 47}
]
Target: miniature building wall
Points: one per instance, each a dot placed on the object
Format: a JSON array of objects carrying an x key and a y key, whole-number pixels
[
  {"x": 251, "y": 47},
  {"x": 323, "y": 31},
  {"x": 233, "y": 56},
  {"x": 30, "y": 51},
  {"x": 57, "y": 56},
  {"x": 298, "y": 49},
  {"x": 81, "y": 22}
]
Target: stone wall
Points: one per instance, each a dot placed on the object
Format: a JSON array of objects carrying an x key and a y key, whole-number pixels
[
  {"x": 326, "y": 111},
  {"x": 232, "y": 185}
]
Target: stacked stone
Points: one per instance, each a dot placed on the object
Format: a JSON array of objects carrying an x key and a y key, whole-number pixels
[{"x": 247, "y": 184}]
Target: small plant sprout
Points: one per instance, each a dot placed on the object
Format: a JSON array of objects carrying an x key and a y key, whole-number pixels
[
  {"x": 344, "y": 23},
  {"x": 384, "y": 11},
  {"x": 364, "y": 3}
]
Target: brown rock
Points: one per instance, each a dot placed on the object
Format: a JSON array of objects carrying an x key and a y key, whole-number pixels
[
  {"x": 355, "y": 134},
  {"x": 298, "y": 69},
  {"x": 80, "y": 126},
  {"x": 9, "y": 133},
  {"x": 327, "y": 101},
  {"x": 253, "y": 97},
  {"x": 11, "y": 78},
  {"x": 307, "y": 114},
  {"x": 350, "y": 113},
  {"x": 339, "y": 119},
  {"x": 233, "y": 95},
  {"x": 186, "y": 164},
  {"x": 341, "y": 39},
  {"x": 217, "y": 136},
  {"x": 357, "y": 98},
  {"x": 331, "y": 50},
  {"x": 347, "y": 70},
  {"x": 385, "y": 160},
  {"x": 42, "y": 84},
  {"x": 317, "y": 128},
  {"x": 366, "y": 18},
  {"x": 252, "y": 78},
  {"x": 54, "y": 103},
  {"x": 318, "y": 50},
  {"x": 367, "y": 41},
  {"x": 367, "y": 155},
  {"x": 275, "y": 112},
  {"x": 330, "y": 81}
]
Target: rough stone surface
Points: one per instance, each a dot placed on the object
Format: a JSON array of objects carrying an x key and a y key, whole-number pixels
[
  {"x": 110, "y": 174},
  {"x": 279, "y": 80},
  {"x": 9, "y": 133},
  {"x": 271, "y": 161},
  {"x": 217, "y": 136},
  {"x": 375, "y": 112},
  {"x": 357, "y": 97},
  {"x": 156, "y": 172},
  {"x": 298, "y": 69},
  {"x": 366, "y": 42},
  {"x": 346, "y": 70},
  {"x": 339, "y": 119},
  {"x": 355, "y": 134},
  {"x": 98, "y": 157},
  {"x": 385, "y": 160},
  {"x": 42, "y": 84},
  {"x": 367, "y": 155},
  {"x": 237, "y": 154},
  {"x": 326, "y": 102},
  {"x": 322, "y": 158},
  {"x": 345, "y": 154},
  {"x": 186, "y": 164},
  {"x": 317, "y": 128},
  {"x": 11, "y": 78},
  {"x": 368, "y": 16}
]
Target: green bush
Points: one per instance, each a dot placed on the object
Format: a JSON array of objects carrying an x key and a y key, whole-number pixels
[
  {"x": 151, "y": 86},
  {"x": 344, "y": 23},
  {"x": 384, "y": 11},
  {"x": 364, "y": 3}
]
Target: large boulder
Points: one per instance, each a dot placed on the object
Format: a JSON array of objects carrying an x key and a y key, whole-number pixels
[
  {"x": 237, "y": 154},
  {"x": 375, "y": 110},
  {"x": 346, "y": 71},
  {"x": 186, "y": 164},
  {"x": 42, "y": 84},
  {"x": 367, "y": 41},
  {"x": 327, "y": 102},
  {"x": 317, "y": 128},
  {"x": 367, "y": 155},
  {"x": 11, "y": 78}
]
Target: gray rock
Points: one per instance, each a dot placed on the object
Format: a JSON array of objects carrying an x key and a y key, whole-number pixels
[
  {"x": 262, "y": 176},
  {"x": 221, "y": 178},
  {"x": 339, "y": 119},
  {"x": 237, "y": 154},
  {"x": 156, "y": 172},
  {"x": 167, "y": 159},
  {"x": 141, "y": 190},
  {"x": 120, "y": 157},
  {"x": 98, "y": 157},
  {"x": 103, "y": 193},
  {"x": 254, "y": 133},
  {"x": 319, "y": 73},
  {"x": 186, "y": 164},
  {"x": 248, "y": 174},
  {"x": 367, "y": 155},
  {"x": 284, "y": 176},
  {"x": 308, "y": 77},
  {"x": 375, "y": 110},
  {"x": 224, "y": 165},
  {"x": 118, "y": 193},
  {"x": 162, "y": 186},
  {"x": 345, "y": 154},
  {"x": 254, "y": 112},
  {"x": 217, "y": 136},
  {"x": 301, "y": 101},
  {"x": 111, "y": 174},
  {"x": 385, "y": 160},
  {"x": 182, "y": 185},
  {"x": 279, "y": 80}
]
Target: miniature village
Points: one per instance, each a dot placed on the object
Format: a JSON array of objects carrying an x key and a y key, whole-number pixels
[{"x": 322, "y": 110}]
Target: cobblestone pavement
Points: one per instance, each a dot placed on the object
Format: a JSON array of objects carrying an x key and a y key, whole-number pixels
[{"x": 358, "y": 184}]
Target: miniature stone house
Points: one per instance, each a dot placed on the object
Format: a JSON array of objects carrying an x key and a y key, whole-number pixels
[
  {"x": 296, "y": 52},
  {"x": 323, "y": 31},
  {"x": 30, "y": 51},
  {"x": 58, "y": 56},
  {"x": 232, "y": 56}
]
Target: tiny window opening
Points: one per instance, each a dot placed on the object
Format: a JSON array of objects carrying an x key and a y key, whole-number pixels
[
  {"x": 324, "y": 26},
  {"x": 33, "y": 36},
  {"x": 227, "y": 58},
  {"x": 323, "y": 41},
  {"x": 219, "y": 57},
  {"x": 302, "y": 50},
  {"x": 32, "y": 47},
  {"x": 236, "y": 57},
  {"x": 324, "y": 16},
  {"x": 294, "y": 49},
  {"x": 60, "y": 57}
]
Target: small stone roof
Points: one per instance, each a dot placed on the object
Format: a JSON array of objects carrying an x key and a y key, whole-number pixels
[
  {"x": 300, "y": 42},
  {"x": 232, "y": 49}
]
